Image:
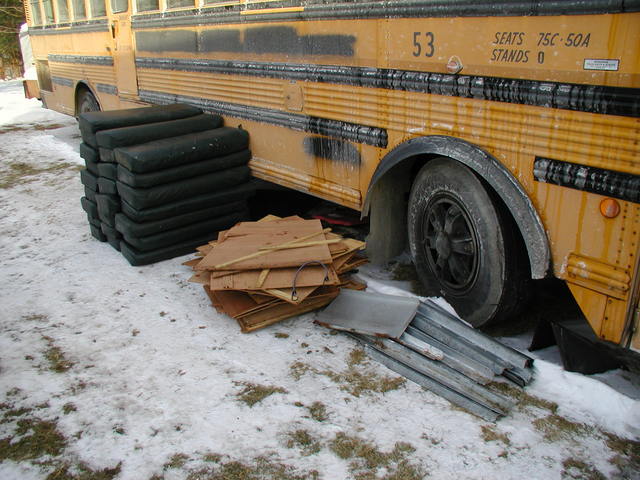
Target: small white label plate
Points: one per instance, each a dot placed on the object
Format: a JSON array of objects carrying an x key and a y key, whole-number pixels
[{"x": 601, "y": 64}]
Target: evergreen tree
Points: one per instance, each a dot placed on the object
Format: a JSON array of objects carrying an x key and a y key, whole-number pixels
[{"x": 11, "y": 17}]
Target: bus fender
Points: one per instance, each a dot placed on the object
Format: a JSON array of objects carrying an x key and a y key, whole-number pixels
[{"x": 490, "y": 170}]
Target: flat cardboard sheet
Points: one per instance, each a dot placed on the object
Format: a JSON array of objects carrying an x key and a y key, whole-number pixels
[
  {"x": 310, "y": 276},
  {"x": 268, "y": 235}
]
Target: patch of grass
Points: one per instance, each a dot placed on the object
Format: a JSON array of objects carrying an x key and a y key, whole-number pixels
[
  {"x": 47, "y": 126},
  {"x": 212, "y": 458},
  {"x": 12, "y": 413},
  {"x": 356, "y": 379},
  {"x": 254, "y": 393},
  {"x": 38, "y": 438},
  {"x": 57, "y": 361},
  {"x": 177, "y": 461},
  {"x": 304, "y": 441},
  {"x": 365, "y": 459},
  {"x": 34, "y": 126},
  {"x": 261, "y": 468},
  {"x": 523, "y": 399},
  {"x": 574, "y": 468},
  {"x": 627, "y": 455},
  {"x": 35, "y": 317},
  {"x": 554, "y": 428},
  {"x": 281, "y": 335},
  {"x": 83, "y": 472},
  {"x": 490, "y": 434},
  {"x": 318, "y": 411},
  {"x": 357, "y": 356},
  {"x": 67, "y": 408},
  {"x": 298, "y": 369},
  {"x": 19, "y": 173},
  {"x": 357, "y": 383}
]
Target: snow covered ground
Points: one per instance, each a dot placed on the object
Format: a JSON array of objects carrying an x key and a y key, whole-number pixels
[{"x": 112, "y": 371}]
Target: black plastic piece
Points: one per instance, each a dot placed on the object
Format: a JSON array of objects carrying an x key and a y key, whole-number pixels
[
  {"x": 580, "y": 349},
  {"x": 108, "y": 170},
  {"x": 107, "y": 186},
  {"x": 89, "y": 153},
  {"x": 122, "y": 137},
  {"x": 91, "y": 166},
  {"x": 136, "y": 257},
  {"x": 170, "y": 192},
  {"x": 187, "y": 205},
  {"x": 183, "y": 234},
  {"x": 89, "y": 180},
  {"x": 133, "y": 229},
  {"x": 96, "y": 232},
  {"x": 108, "y": 206},
  {"x": 92, "y": 122},
  {"x": 173, "y": 152},
  {"x": 90, "y": 207},
  {"x": 168, "y": 175},
  {"x": 90, "y": 194}
]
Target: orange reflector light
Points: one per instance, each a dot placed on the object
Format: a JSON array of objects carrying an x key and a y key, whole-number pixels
[{"x": 609, "y": 208}]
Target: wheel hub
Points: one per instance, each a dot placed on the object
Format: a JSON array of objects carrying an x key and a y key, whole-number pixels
[
  {"x": 443, "y": 245},
  {"x": 450, "y": 243}
]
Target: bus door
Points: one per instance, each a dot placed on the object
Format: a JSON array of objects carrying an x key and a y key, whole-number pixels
[{"x": 122, "y": 48}]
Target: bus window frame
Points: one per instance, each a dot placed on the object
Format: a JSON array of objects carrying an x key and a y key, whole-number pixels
[
  {"x": 40, "y": 12},
  {"x": 164, "y": 6},
  {"x": 45, "y": 20},
  {"x": 56, "y": 10},
  {"x": 91, "y": 15},
  {"x": 112, "y": 4},
  {"x": 73, "y": 11},
  {"x": 136, "y": 10}
]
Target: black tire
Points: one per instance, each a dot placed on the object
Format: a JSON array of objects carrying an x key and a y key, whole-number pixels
[
  {"x": 87, "y": 102},
  {"x": 462, "y": 246}
]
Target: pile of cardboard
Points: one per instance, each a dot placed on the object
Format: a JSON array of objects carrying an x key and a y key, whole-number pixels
[{"x": 262, "y": 272}]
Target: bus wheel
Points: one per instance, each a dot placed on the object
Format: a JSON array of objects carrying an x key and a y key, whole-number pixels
[
  {"x": 461, "y": 248},
  {"x": 87, "y": 102}
]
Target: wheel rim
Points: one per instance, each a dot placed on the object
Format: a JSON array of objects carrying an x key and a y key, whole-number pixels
[{"x": 450, "y": 243}]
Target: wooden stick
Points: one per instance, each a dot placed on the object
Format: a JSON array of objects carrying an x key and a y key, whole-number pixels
[
  {"x": 262, "y": 277},
  {"x": 263, "y": 252},
  {"x": 301, "y": 239},
  {"x": 297, "y": 245}
]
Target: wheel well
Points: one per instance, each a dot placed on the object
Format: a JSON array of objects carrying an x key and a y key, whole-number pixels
[
  {"x": 82, "y": 87},
  {"x": 401, "y": 166}
]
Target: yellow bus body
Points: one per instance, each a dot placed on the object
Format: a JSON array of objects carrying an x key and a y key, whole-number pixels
[{"x": 328, "y": 90}]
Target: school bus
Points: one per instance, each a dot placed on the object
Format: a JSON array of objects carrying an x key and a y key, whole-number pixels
[{"x": 498, "y": 139}]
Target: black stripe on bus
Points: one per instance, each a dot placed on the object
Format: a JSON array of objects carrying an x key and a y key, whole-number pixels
[
  {"x": 108, "y": 89},
  {"x": 567, "y": 96},
  {"x": 76, "y": 27},
  {"x": 65, "y": 82},
  {"x": 367, "y": 9},
  {"x": 623, "y": 186},
  {"x": 321, "y": 126},
  {"x": 265, "y": 39},
  {"x": 84, "y": 59}
]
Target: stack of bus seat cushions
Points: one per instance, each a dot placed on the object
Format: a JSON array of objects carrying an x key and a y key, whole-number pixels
[{"x": 162, "y": 187}]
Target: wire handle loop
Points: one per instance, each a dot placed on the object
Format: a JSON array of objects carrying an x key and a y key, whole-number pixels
[{"x": 294, "y": 291}]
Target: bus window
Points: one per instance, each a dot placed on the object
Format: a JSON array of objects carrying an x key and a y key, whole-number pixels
[
  {"x": 63, "y": 10},
  {"x": 119, "y": 6},
  {"x": 221, "y": 4},
  {"x": 48, "y": 11},
  {"x": 36, "y": 15},
  {"x": 147, "y": 5},
  {"x": 179, "y": 3},
  {"x": 79, "y": 10},
  {"x": 98, "y": 8}
]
